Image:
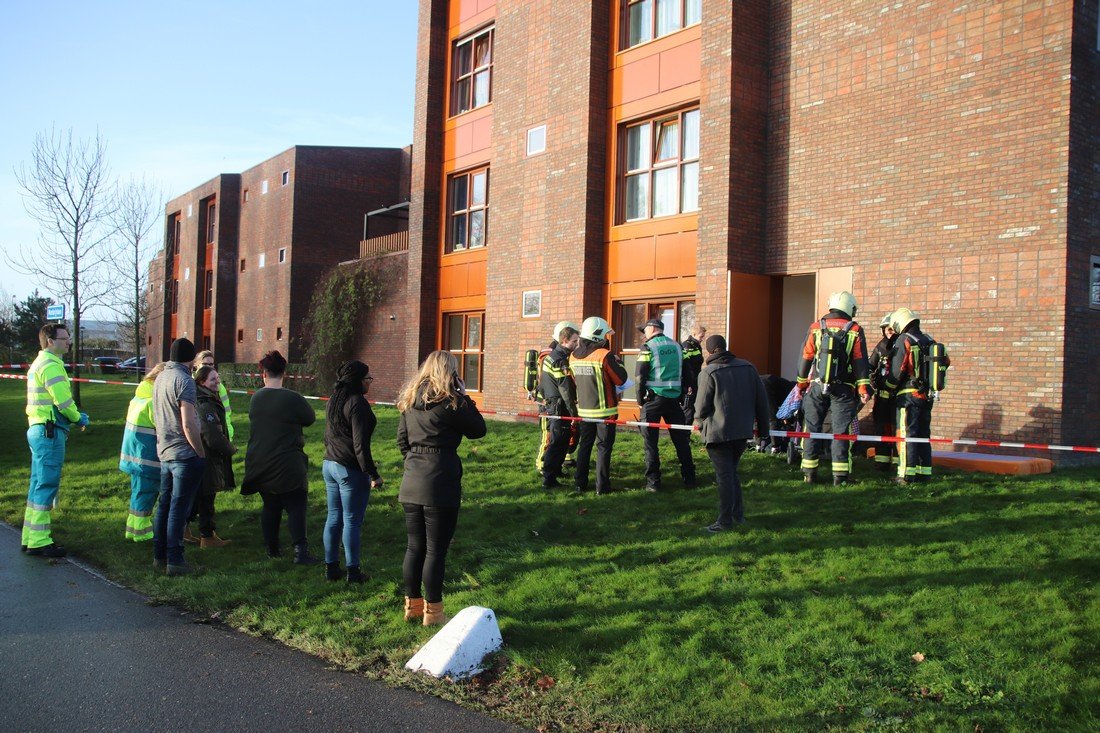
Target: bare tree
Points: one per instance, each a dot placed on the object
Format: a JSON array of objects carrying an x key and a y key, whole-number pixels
[
  {"x": 137, "y": 212},
  {"x": 68, "y": 190}
]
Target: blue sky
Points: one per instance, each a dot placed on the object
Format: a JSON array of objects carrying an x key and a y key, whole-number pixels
[{"x": 182, "y": 93}]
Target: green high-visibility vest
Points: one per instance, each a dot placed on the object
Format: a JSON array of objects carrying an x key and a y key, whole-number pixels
[
  {"x": 48, "y": 392},
  {"x": 666, "y": 361}
]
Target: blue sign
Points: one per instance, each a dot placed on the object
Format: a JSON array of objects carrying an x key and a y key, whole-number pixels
[{"x": 55, "y": 312}]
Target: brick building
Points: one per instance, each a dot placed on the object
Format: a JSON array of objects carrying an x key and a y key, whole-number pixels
[
  {"x": 244, "y": 251},
  {"x": 734, "y": 163}
]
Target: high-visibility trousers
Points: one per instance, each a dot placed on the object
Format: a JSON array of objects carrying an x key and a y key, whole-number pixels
[
  {"x": 143, "y": 497},
  {"x": 47, "y": 457},
  {"x": 914, "y": 421}
]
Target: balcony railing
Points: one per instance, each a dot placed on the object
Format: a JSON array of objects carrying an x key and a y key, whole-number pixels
[{"x": 385, "y": 244}]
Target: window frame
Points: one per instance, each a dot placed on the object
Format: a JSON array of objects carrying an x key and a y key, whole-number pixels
[
  {"x": 467, "y": 212},
  {"x": 1094, "y": 282},
  {"x": 208, "y": 286},
  {"x": 654, "y": 166},
  {"x": 654, "y": 308},
  {"x": 465, "y": 101},
  {"x": 465, "y": 350},
  {"x": 211, "y": 221},
  {"x": 654, "y": 18}
]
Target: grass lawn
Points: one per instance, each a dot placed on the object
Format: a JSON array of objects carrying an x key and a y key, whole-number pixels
[{"x": 619, "y": 613}]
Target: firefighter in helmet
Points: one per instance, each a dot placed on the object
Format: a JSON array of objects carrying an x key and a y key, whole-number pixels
[
  {"x": 911, "y": 376},
  {"x": 885, "y": 408},
  {"x": 835, "y": 351},
  {"x": 596, "y": 372},
  {"x": 559, "y": 399}
]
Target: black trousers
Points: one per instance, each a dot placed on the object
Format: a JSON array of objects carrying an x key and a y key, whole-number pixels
[
  {"x": 726, "y": 457},
  {"x": 841, "y": 404},
  {"x": 884, "y": 413},
  {"x": 654, "y": 410},
  {"x": 203, "y": 508},
  {"x": 914, "y": 421},
  {"x": 603, "y": 436},
  {"x": 294, "y": 503},
  {"x": 430, "y": 530},
  {"x": 558, "y": 433}
]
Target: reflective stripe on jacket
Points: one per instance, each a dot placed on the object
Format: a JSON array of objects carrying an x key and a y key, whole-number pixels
[
  {"x": 139, "y": 438},
  {"x": 49, "y": 394},
  {"x": 596, "y": 373},
  {"x": 223, "y": 393},
  {"x": 660, "y": 366}
]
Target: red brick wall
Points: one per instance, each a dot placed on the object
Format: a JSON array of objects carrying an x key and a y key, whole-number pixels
[
  {"x": 925, "y": 146},
  {"x": 382, "y": 331}
]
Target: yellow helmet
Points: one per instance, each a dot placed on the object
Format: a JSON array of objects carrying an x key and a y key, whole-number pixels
[
  {"x": 595, "y": 328},
  {"x": 901, "y": 319},
  {"x": 844, "y": 302},
  {"x": 559, "y": 326}
]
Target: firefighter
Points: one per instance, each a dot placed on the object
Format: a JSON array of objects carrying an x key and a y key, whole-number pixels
[
  {"x": 51, "y": 413},
  {"x": 693, "y": 364},
  {"x": 885, "y": 408},
  {"x": 914, "y": 396},
  {"x": 659, "y": 375},
  {"x": 596, "y": 372},
  {"x": 836, "y": 350},
  {"x": 559, "y": 398},
  {"x": 139, "y": 459},
  {"x": 533, "y": 384}
]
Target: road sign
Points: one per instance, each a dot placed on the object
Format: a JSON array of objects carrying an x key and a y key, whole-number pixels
[{"x": 55, "y": 312}]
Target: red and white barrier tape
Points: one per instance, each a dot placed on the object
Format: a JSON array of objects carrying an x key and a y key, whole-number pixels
[{"x": 636, "y": 423}]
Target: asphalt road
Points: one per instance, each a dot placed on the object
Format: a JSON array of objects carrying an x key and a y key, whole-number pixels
[{"x": 78, "y": 653}]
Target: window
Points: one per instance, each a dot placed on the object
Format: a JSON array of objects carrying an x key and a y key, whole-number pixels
[
  {"x": 462, "y": 336},
  {"x": 174, "y": 234},
  {"x": 206, "y": 343},
  {"x": 536, "y": 140},
  {"x": 468, "y": 201},
  {"x": 186, "y": 274},
  {"x": 190, "y": 210},
  {"x": 263, "y": 187},
  {"x": 1094, "y": 283},
  {"x": 263, "y": 259},
  {"x": 674, "y": 313},
  {"x": 660, "y": 167},
  {"x": 242, "y": 264},
  {"x": 282, "y": 255},
  {"x": 211, "y": 210},
  {"x": 208, "y": 301},
  {"x": 645, "y": 20},
  {"x": 173, "y": 295},
  {"x": 240, "y": 335},
  {"x": 278, "y": 333},
  {"x": 245, "y": 196},
  {"x": 286, "y": 177},
  {"x": 259, "y": 334},
  {"x": 472, "y": 72}
]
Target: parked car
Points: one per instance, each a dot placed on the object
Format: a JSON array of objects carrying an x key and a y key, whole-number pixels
[
  {"x": 133, "y": 365},
  {"x": 107, "y": 364}
]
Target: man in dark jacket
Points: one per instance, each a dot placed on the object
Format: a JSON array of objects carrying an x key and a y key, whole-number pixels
[
  {"x": 560, "y": 399},
  {"x": 693, "y": 364},
  {"x": 731, "y": 398}
]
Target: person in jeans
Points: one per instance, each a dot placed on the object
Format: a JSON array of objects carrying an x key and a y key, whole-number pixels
[
  {"x": 730, "y": 398},
  {"x": 348, "y": 468},
  {"x": 218, "y": 475},
  {"x": 275, "y": 462},
  {"x": 436, "y": 414},
  {"x": 182, "y": 457}
]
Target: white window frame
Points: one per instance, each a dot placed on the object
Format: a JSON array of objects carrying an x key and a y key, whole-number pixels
[
  {"x": 286, "y": 177},
  {"x": 282, "y": 255},
  {"x": 263, "y": 259},
  {"x": 1094, "y": 282},
  {"x": 263, "y": 187},
  {"x": 259, "y": 334},
  {"x": 534, "y": 146}
]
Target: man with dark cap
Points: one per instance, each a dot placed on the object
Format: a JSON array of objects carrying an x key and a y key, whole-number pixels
[
  {"x": 182, "y": 459},
  {"x": 731, "y": 397},
  {"x": 659, "y": 375}
]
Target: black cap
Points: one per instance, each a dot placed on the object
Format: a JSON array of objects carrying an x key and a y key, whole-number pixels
[
  {"x": 182, "y": 350},
  {"x": 655, "y": 322},
  {"x": 715, "y": 344}
]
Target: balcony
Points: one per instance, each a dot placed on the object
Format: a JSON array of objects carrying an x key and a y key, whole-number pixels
[{"x": 384, "y": 245}]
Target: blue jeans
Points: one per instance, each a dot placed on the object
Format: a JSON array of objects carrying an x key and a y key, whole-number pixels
[
  {"x": 179, "y": 481},
  {"x": 348, "y": 493}
]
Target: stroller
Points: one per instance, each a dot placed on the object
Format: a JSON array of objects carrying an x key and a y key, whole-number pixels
[{"x": 785, "y": 403}]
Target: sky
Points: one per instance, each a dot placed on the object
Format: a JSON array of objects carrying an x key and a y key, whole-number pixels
[{"x": 182, "y": 93}]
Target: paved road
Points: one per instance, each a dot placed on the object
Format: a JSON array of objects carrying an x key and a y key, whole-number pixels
[{"x": 80, "y": 654}]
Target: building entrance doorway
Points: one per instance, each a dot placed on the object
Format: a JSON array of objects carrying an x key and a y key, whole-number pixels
[{"x": 799, "y": 302}]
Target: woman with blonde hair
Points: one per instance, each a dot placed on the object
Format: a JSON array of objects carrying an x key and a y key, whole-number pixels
[
  {"x": 436, "y": 414},
  {"x": 139, "y": 460}
]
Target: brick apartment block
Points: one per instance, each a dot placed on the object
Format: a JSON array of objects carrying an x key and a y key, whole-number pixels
[
  {"x": 936, "y": 155},
  {"x": 244, "y": 251}
]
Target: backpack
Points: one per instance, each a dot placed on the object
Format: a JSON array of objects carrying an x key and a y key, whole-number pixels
[
  {"x": 832, "y": 354},
  {"x": 930, "y": 364}
]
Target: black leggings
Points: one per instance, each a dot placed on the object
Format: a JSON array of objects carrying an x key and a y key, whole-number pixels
[
  {"x": 295, "y": 504},
  {"x": 430, "y": 530}
]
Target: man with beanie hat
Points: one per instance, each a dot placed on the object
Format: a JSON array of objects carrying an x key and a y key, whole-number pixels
[
  {"x": 731, "y": 397},
  {"x": 182, "y": 459}
]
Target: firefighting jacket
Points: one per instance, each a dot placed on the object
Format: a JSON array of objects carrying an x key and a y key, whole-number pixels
[
  {"x": 596, "y": 372},
  {"x": 556, "y": 381},
  {"x": 857, "y": 372},
  {"x": 660, "y": 366},
  {"x": 905, "y": 376},
  {"x": 879, "y": 364}
]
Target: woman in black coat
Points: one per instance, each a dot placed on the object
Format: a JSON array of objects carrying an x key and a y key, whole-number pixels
[
  {"x": 218, "y": 473},
  {"x": 436, "y": 414}
]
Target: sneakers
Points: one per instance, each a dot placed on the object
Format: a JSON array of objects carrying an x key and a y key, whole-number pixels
[
  {"x": 212, "y": 541},
  {"x": 717, "y": 527},
  {"x": 176, "y": 571},
  {"x": 46, "y": 551}
]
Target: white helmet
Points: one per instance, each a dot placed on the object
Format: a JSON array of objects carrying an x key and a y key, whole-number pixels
[
  {"x": 562, "y": 325},
  {"x": 595, "y": 328},
  {"x": 844, "y": 302},
  {"x": 887, "y": 320},
  {"x": 901, "y": 318}
]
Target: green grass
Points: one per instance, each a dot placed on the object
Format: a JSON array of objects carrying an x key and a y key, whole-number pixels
[{"x": 807, "y": 619}]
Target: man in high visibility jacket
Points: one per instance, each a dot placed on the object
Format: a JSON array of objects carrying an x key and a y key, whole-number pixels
[
  {"x": 833, "y": 394},
  {"x": 596, "y": 372},
  {"x": 51, "y": 413},
  {"x": 206, "y": 358},
  {"x": 693, "y": 365},
  {"x": 138, "y": 458},
  {"x": 914, "y": 400},
  {"x": 559, "y": 398},
  {"x": 884, "y": 411},
  {"x": 659, "y": 373}
]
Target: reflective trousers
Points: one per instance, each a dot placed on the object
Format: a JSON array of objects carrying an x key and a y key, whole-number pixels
[
  {"x": 841, "y": 405},
  {"x": 47, "y": 456},
  {"x": 143, "y": 497},
  {"x": 914, "y": 421}
]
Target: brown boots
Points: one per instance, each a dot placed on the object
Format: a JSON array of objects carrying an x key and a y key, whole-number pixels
[
  {"x": 431, "y": 612},
  {"x": 213, "y": 541},
  {"x": 188, "y": 537}
]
